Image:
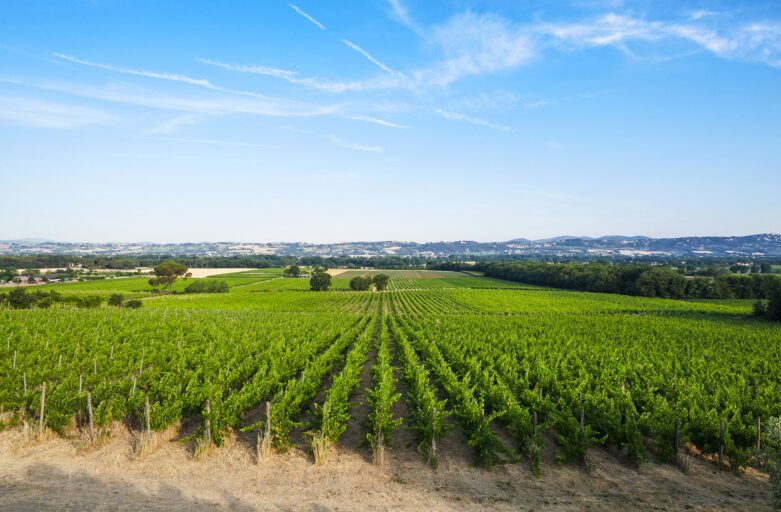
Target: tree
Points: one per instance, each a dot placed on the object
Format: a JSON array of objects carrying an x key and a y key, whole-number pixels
[
  {"x": 7, "y": 274},
  {"x": 166, "y": 274},
  {"x": 292, "y": 271},
  {"x": 133, "y": 304},
  {"x": 320, "y": 280},
  {"x": 766, "y": 268},
  {"x": 774, "y": 303},
  {"x": 116, "y": 299},
  {"x": 360, "y": 283},
  {"x": 381, "y": 281}
]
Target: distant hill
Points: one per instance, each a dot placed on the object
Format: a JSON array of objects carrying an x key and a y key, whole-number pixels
[{"x": 760, "y": 245}]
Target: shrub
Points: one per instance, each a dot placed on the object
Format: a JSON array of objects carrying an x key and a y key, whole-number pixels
[
  {"x": 116, "y": 299},
  {"x": 207, "y": 286},
  {"x": 360, "y": 283},
  {"x": 133, "y": 304}
]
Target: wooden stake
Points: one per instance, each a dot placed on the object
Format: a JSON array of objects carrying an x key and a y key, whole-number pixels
[
  {"x": 24, "y": 381},
  {"x": 14, "y": 360},
  {"x": 721, "y": 441},
  {"x": 95, "y": 364},
  {"x": 43, "y": 401},
  {"x": 433, "y": 452},
  {"x": 268, "y": 419},
  {"x": 89, "y": 414},
  {"x": 677, "y": 430},
  {"x": 759, "y": 434},
  {"x": 146, "y": 416},
  {"x": 133, "y": 391},
  {"x": 208, "y": 423},
  {"x": 59, "y": 363},
  {"x": 80, "y": 377}
]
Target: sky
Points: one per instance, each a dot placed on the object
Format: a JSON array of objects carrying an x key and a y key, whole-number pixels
[{"x": 317, "y": 121}]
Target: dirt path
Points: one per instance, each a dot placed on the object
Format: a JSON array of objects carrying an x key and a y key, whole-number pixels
[{"x": 51, "y": 476}]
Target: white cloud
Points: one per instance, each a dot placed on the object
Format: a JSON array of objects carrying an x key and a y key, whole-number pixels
[
  {"x": 374, "y": 120},
  {"x": 353, "y": 145},
  {"x": 175, "y": 77},
  {"x": 212, "y": 141},
  {"x": 398, "y": 11},
  {"x": 475, "y": 44},
  {"x": 455, "y": 116},
  {"x": 174, "y": 124},
  {"x": 293, "y": 77},
  {"x": 755, "y": 42},
  {"x": 307, "y": 16},
  {"x": 131, "y": 95},
  {"x": 44, "y": 114},
  {"x": 368, "y": 56}
]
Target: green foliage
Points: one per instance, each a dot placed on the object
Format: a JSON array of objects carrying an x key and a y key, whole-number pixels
[
  {"x": 166, "y": 274},
  {"x": 292, "y": 271},
  {"x": 381, "y": 281},
  {"x": 20, "y": 298},
  {"x": 359, "y": 283},
  {"x": 115, "y": 299},
  {"x": 383, "y": 396},
  {"x": 320, "y": 280},
  {"x": 207, "y": 286}
]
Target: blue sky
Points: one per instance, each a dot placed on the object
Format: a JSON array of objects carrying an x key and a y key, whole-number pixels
[{"x": 374, "y": 120}]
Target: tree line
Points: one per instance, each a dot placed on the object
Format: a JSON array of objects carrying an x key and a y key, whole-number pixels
[{"x": 642, "y": 280}]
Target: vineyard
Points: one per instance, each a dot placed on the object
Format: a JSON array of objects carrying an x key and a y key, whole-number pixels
[{"x": 515, "y": 370}]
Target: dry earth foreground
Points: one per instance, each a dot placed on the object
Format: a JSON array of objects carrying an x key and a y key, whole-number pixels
[{"x": 53, "y": 475}]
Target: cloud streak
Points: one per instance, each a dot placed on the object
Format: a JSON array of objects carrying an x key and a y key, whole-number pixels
[
  {"x": 45, "y": 114},
  {"x": 131, "y": 95},
  {"x": 307, "y": 16},
  {"x": 368, "y": 56},
  {"x": 374, "y": 120},
  {"x": 455, "y": 116}
]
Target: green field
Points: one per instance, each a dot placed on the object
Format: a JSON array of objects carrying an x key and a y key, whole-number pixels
[{"x": 512, "y": 367}]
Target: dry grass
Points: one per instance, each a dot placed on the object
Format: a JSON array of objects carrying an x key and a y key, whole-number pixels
[
  {"x": 146, "y": 443},
  {"x": 321, "y": 445},
  {"x": 50, "y": 476}
]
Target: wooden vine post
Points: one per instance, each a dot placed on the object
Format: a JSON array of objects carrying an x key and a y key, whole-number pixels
[
  {"x": 433, "y": 452},
  {"x": 207, "y": 434},
  {"x": 147, "y": 417},
  {"x": 759, "y": 434},
  {"x": 721, "y": 441},
  {"x": 43, "y": 401},
  {"x": 90, "y": 416}
]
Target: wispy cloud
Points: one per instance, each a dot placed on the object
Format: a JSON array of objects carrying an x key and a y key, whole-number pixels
[
  {"x": 44, "y": 114},
  {"x": 307, "y": 16},
  {"x": 398, "y": 11},
  {"x": 354, "y": 145},
  {"x": 320, "y": 84},
  {"x": 455, "y": 116},
  {"x": 335, "y": 140},
  {"x": 755, "y": 42},
  {"x": 374, "y": 120},
  {"x": 131, "y": 95},
  {"x": 475, "y": 44},
  {"x": 175, "y": 77},
  {"x": 212, "y": 142},
  {"x": 368, "y": 56},
  {"x": 174, "y": 124}
]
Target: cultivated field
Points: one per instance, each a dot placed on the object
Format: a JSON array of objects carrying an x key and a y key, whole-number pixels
[{"x": 449, "y": 391}]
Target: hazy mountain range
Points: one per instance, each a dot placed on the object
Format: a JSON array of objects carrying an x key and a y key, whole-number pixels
[{"x": 760, "y": 245}]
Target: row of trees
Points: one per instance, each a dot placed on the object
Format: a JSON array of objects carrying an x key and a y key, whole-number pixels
[
  {"x": 20, "y": 298},
  {"x": 320, "y": 281},
  {"x": 363, "y": 283},
  {"x": 644, "y": 280}
]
